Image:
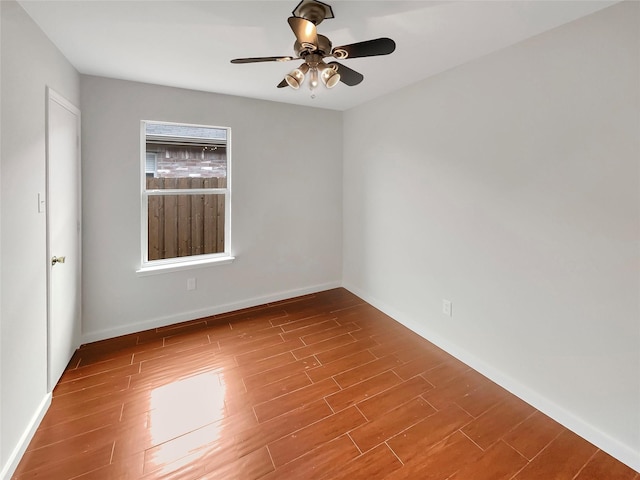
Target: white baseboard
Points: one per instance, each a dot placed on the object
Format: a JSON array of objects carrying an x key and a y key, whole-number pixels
[
  {"x": 606, "y": 443},
  {"x": 88, "y": 337},
  {"x": 16, "y": 455}
]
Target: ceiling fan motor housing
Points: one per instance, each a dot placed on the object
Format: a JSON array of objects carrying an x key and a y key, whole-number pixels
[{"x": 323, "y": 47}]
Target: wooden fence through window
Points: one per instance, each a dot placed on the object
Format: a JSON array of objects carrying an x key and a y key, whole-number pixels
[{"x": 184, "y": 225}]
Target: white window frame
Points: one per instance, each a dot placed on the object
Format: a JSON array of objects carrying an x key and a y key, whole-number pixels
[{"x": 148, "y": 267}]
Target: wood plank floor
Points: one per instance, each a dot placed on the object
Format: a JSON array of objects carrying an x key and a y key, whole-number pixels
[{"x": 320, "y": 387}]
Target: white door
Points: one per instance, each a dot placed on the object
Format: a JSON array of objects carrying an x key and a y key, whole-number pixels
[{"x": 63, "y": 233}]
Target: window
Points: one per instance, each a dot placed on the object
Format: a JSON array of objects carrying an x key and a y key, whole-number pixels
[
  {"x": 185, "y": 195},
  {"x": 150, "y": 164}
]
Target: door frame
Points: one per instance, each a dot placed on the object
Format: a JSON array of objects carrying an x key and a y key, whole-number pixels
[{"x": 53, "y": 96}]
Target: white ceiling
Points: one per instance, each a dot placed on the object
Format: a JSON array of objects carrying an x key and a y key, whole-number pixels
[{"x": 189, "y": 44}]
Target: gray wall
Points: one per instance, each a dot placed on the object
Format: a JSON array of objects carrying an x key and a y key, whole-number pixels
[
  {"x": 286, "y": 205},
  {"x": 30, "y": 62},
  {"x": 510, "y": 186}
]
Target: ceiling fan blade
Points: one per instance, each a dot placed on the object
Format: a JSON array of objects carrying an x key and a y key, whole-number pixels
[
  {"x": 348, "y": 76},
  {"x": 368, "y": 48},
  {"x": 283, "y": 84},
  {"x": 262, "y": 59},
  {"x": 305, "y": 32}
]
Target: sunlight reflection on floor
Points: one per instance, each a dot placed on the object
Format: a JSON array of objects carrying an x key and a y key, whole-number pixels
[{"x": 185, "y": 416}]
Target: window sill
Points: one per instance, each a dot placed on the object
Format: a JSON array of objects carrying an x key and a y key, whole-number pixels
[{"x": 188, "y": 265}]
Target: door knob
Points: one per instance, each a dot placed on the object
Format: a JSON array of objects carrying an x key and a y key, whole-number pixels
[{"x": 55, "y": 260}]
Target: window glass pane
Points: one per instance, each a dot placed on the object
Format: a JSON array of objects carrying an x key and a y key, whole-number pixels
[
  {"x": 189, "y": 161},
  {"x": 184, "y": 225}
]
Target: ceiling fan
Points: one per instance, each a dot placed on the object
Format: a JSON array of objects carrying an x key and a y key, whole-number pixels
[{"x": 312, "y": 48}]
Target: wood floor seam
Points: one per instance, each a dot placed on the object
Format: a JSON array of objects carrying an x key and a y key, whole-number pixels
[{"x": 584, "y": 466}]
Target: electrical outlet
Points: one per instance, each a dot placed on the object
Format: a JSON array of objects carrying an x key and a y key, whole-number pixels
[
  {"x": 191, "y": 283},
  {"x": 447, "y": 307}
]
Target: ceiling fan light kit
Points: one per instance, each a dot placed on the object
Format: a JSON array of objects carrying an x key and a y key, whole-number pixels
[
  {"x": 312, "y": 49},
  {"x": 330, "y": 76},
  {"x": 296, "y": 77}
]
